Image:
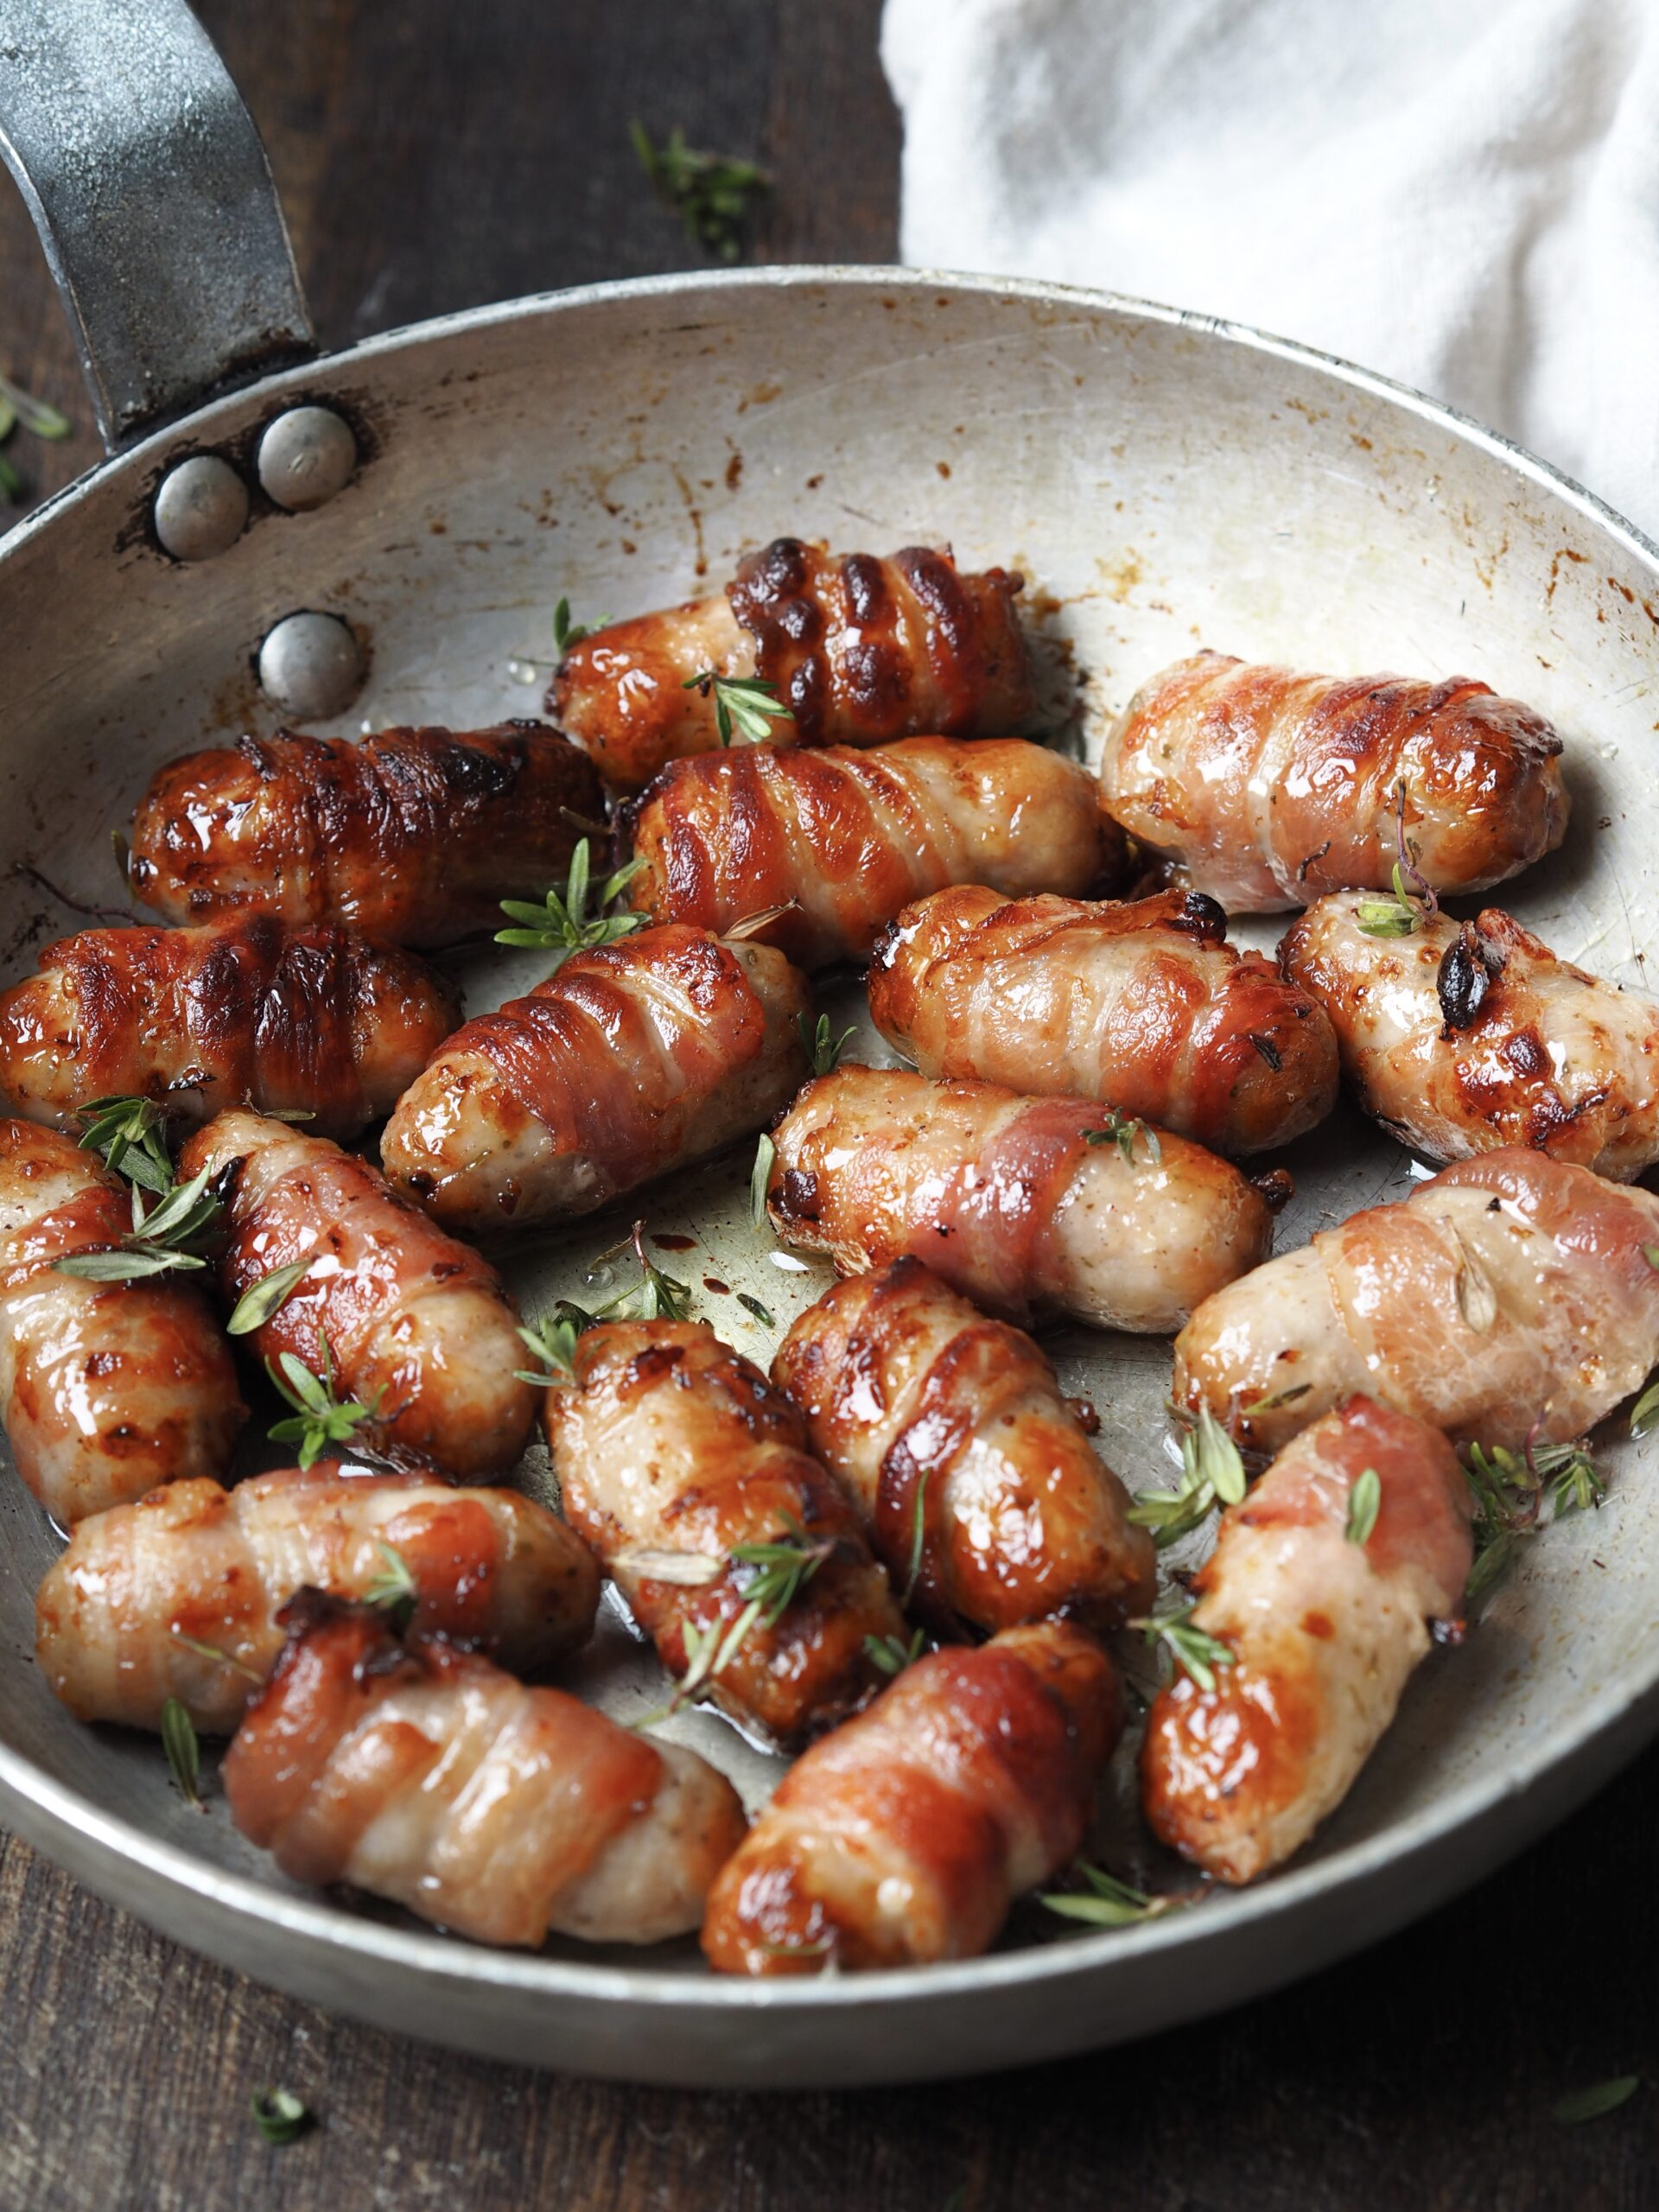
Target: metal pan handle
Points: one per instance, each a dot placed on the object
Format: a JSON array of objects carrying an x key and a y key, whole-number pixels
[{"x": 154, "y": 199}]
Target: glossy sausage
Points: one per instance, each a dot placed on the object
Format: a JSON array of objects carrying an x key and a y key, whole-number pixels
[
  {"x": 984, "y": 1498},
  {"x": 423, "y": 1774},
  {"x": 1006, "y": 1200},
  {"x": 671, "y": 1451},
  {"x": 244, "y": 1012},
  {"x": 1270, "y": 788},
  {"x": 1142, "y": 1004},
  {"x": 906, "y": 1835},
  {"x": 178, "y": 1595},
  {"x": 1463, "y": 1036},
  {"x": 415, "y": 835},
  {"x": 417, "y": 1325},
  {"x": 1509, "y": 1290},
  {"x": 860, "y": 649},
  {"x": 109, "y": 1388},
  {"x": 1323, "y": 1631},
  {"x": 631, "y": 1059},
  {"x": 850, "y": 837}
]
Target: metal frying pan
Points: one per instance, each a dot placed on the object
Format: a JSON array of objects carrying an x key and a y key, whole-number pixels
[{"x": 1163, "y": 480}]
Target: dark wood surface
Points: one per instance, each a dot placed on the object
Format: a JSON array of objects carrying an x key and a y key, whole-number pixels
[{"x": 431, "y": 157}]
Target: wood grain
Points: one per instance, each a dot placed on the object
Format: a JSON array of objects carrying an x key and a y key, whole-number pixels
[{"x": 429, "y": 157}]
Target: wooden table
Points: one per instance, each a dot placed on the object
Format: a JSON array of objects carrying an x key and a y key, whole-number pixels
[{"x": 430, "y": 157}]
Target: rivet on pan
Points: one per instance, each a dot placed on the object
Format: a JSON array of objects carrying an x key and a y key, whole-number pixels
[
  {"x": 201, "y": 508},
  {"x": 305, "y": 457},
  {"x": 310, "y": 666}
]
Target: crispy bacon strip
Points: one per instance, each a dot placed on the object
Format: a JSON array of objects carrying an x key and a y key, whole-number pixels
[
  {"x": 178, "y": 1595},
  {"x": 417, "y": 1325},
  {"x": 1269, "y": 788},
  {"x": 671, "y": 1453},
  {"x": 1323, "y": 1632},
  {"x": 423, "y": 1774},
  {"x": 981, "y": 1494},
  {"x": 906, "y": 1835},
  {"x": 1008, "y": 1201},
  {"x": 1143, "y": 1004},
  {"x": 109, "y": 1388},
  {"x": 631, "y": 1059},
  {"x": 319, "y": 1020},
  {"x": 860, "y": 650},
  {"x": 415, "y": 835},
  {"x": 847, "y": 838},
  {"x": 1463, "y": 1036},
  {"x": 1512, "y": 1294}
]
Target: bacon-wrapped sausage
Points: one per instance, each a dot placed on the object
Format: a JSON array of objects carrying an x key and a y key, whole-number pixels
[
  {"x": 416, "y": 1328},
  {"x": 850, "y": 837},
  {"x": 631, "y": 1059},
  {"x": 906, "y": 1835},
  {"x": 1023, "y": 1204},
  {"x": 1512, "y": 1294},
  {"x": 423, "y": 1774},
  {"x": 178, "y": 1595},
  {"x": 1143, "y": 1005},
  {"x": 319, "y": 1020},
  {"x": 971, "y": 1472},
  {"x": 858, "y": 648},
  {"x": 672, "y": 1452},
  {"x": 1270, "y": 788},
  {"x": 1462, "y": 1036},
  {"x": 109, "y": 1388},
  {"x": 1324, "y": 1622},
  {"x": 415, "y": 835}
]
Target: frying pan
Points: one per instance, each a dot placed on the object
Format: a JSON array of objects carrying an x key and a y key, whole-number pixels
[{"x": 1163, "y": 480}]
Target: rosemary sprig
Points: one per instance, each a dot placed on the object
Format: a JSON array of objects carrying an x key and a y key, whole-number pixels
[
  {"x": 280, "y": 2116},
  {"x": 217, "y": 1654},
  {"x": 129, "y": 1135},
  {"x": 1212, "y": 1474},
  {"x": 261, "y": 1299},
  {"x": 1365, "y": 1503},
  {"x": 918, "y": 1538},
  {"x": 747, "y": 704},
  {"x": 570, "y": 923},
  {"x": 1195, "y": 1652},
  {"x": 320, "y": 1418},
  {"x": 163, "y": 1240},
  {"x": 1122, "y": 1129},
  {"x": 823, "y": 1052},
  {"x": 1105, "y": 1901},
  {"x": 394, "y": 1590},
  {"x": 183, "y": 1752},
  {"x": 891, "y": 1655},
  {"x": 711, "y": 193}
]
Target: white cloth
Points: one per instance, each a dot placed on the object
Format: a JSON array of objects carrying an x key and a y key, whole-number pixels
[{"x": 1461, "y": 193}]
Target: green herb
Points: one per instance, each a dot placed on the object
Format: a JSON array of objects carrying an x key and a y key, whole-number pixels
[
  {"x": 891, "y": 1654},
  {"x": 129, "y": 1135},
  {"x": 566, "y": 633},
  {"x": 322, "y": 1419},
  {"x": 747, "y": 704},
  {"x": 219, "y": 1657},
  {"x": 765, "y": 1154},
  {"x": 568, "y": 925},
  {"x": 1592, "y": 2103},
  {"x": 1107, "y": 1903},
  {"x": 711, "y": 193},
  {"x": 183, "y": 1753},
  {"x": 553, "y": 1340},
  {"x": 394, "y": 1590},
  {"x": 1650, "y": 1254},
  {"x": 1364, "y": 1501},
  {"x": 1197, "y": 1654},
  {"x": 1212, "y": 1473},
  {"x": 781, "y": 1570},
  {"x": 1122, "y": 1129},
  {"x": 822, "y": 1051},
  {"x": 263, "y": 1298},
  {"x": 1644, "y": 1414},
  {"x": 160, "y": 1241},
  {"x": 1509, "y": 1489},
  {"x": 660, "y": 1297},
  {"x": 20, "y": 407},
  {"x": 1396, "y": 917},
  {"x": 1274, "y": 1399},
  {"x": 280, "y": 2116},
  {"x": 753, "y": 1305},
  {"x": 917, "y": 1537},
  {"x": 820, "y": 1949}
]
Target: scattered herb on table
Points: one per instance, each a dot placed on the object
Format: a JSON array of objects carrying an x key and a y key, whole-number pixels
[
  {"x": 280, "y": 2116},
  {"x": 711, "y": 193}
]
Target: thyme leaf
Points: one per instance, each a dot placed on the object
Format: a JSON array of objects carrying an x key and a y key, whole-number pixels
[
  {"x": 1395, "y": 917},
  {"x": 1191, "y": 1649},
  {"x": 553, "y": 1341},
  {"x": 261, "y": 1299},
  {"x": 321, "y": 1417},
  {"x": 1364, "y": 1501},
  {"x": 394, "y": 1590},
  {"x": 1122, "y": 1129},
  {"x": 183, "y": 1752},
  {"x": 823, "y": 1052},
  {"x": 1105, "y": 1902},
  {"x": 129, "y": 1134},
  {"x": 892, "y": 1654},
  {"x": 1212, "y": 1474},
  {"x": 745, "y": 704},
  {"x": 163, "y": 1240},
  {"x": 575, "y": 921},
  {"x": 765, "y": 1154}
]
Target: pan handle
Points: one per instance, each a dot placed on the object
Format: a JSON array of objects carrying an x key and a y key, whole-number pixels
[{"x": 153, "y": 201}]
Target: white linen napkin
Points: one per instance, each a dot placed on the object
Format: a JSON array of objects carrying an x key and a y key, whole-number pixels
[{"x": 1461, "y": 193}]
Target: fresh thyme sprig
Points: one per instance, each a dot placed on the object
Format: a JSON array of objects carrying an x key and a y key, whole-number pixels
[
  {"x": 891, "y": 1655},
  {"x": 1195, "y": 1652},
  {"x": 1122, "y": 1129},
  {"x": 1395, "y": 917},
  {"x": 658, "y": 1297},
  {"x": 1365, "y": 1503},
  {"x": 183, "y": 1752},
  {"x": 823, "y": 1050},
  {"x": 20, "y": 409},
  {"x": 747, "y": 704},
  {"x": 553, "y": 1340},
  {"x": 168, "y": 1238},
  {"x": 319, "y": 1417},
  {"x": 780, "y": 1571},
  {"x": 711, "y": 193},
  {"x": 394, "y": 1590},
  {"x": 1510, "y": 1489},
  {"x": 568, "y": 925},
  {"x": 129, "y": 1135},
  {"x": 566, "y": 633},
  {"x": 1212, "y": 1474},
  {"x": 1644, "y": 1414},
  {"x": 1105, "y": 1901}
]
